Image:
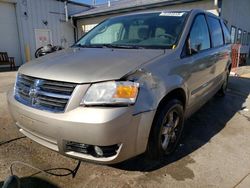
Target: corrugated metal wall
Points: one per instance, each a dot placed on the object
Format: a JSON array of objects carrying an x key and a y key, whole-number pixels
[
  {"x": 33, "y": 14},
  {"x": 237, "y": 13}
]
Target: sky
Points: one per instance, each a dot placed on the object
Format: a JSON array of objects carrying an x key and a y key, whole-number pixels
[{"x": 91, "y": 1}]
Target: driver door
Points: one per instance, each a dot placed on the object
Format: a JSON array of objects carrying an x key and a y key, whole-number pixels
[{"x": 198, "y": 60}]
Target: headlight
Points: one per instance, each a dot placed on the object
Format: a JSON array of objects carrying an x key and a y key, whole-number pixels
[{"x": 123, "y": 92}]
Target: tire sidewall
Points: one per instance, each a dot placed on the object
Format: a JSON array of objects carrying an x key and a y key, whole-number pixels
[
  {"x": 223, "y": 89},
  {"x": 156, "y": 130},
  {"x": 226, "y": 81}
]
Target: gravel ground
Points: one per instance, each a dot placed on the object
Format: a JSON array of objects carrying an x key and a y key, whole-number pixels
[{"x": 214, "y": 151}]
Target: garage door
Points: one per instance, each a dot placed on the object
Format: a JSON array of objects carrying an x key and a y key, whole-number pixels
[{"x": 9, "y": 41}]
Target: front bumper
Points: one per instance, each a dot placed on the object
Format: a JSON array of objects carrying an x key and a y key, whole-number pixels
[{"x": 98, "y": 126}]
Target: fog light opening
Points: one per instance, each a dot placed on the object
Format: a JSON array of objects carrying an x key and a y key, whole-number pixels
[
  {"x": 95, "y": 151},
  {"x": 77, "y": 147},
  {"x": 98, "y": 151}
]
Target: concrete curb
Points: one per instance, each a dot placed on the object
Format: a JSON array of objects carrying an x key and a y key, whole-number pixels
[{"x": 244, "y": 70}]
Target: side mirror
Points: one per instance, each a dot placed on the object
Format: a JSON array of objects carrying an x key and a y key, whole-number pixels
[
  {"x": 194, "y": 50},
  {"x": 198, "y": 46},
  {"x": 188, "y": 50}
]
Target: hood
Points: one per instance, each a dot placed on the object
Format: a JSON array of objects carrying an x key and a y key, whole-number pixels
[{"x": 86, "y": 65}]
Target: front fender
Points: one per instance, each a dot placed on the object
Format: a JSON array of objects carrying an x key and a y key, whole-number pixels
[{"x": 153, "y": 88}]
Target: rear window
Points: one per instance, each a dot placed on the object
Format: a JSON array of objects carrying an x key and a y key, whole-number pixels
[{"x": 216, "y": 31}]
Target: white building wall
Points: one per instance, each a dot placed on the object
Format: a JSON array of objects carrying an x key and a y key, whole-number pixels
[
  {"x": 32, "y": 14},
  {"x": 9, "y": 37}
]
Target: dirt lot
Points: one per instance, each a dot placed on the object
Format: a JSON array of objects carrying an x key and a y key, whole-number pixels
[{"x": 214, "y": 151}]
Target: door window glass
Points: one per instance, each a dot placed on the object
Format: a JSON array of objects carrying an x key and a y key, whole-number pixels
[
  {"x": 199, "y": 35},
  {"x": 227, "y": 36},
  {"x": 216, "y": 31}
]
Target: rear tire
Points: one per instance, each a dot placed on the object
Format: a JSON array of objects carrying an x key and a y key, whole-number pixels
[
  {"x": 166, "y": 130},
  {"x": 223, "y": 89}
]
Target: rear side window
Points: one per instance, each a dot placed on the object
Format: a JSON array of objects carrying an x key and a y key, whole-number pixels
[
  {"x": 199, "y": 35},
  {"x": 216, "y": 31},
  {"x": 227, "y": 36}
]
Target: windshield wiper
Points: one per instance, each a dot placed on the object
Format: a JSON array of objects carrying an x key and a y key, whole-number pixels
[
  {"x": 88, "y": 46},
  {"x": 123, "y": 46},
  {"x": 109, "y": 46}
]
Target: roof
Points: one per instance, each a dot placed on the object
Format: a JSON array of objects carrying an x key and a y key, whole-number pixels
[
  {"x": 76, "y": 3},
  {"x": 123, "y": 6}
]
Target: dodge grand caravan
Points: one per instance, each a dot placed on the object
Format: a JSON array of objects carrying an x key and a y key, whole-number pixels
[{"x": 126, "y": 87}]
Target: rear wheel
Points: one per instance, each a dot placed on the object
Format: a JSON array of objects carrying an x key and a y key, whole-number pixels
[
  {"x": 224, "y": 86},
  {"x": 166, "y": 130}
]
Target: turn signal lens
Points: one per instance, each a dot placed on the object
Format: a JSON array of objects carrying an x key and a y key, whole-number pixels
[{"x": 126, "y": 92}]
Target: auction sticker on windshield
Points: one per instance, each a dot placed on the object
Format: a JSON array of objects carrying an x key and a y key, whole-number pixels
[{"x": 175, "y": 14}]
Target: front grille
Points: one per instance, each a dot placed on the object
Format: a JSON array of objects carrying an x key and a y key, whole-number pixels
[{"x": 43, "y": 94}]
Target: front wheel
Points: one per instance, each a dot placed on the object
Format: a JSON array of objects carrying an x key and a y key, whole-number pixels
[{"x": 166, "y": 130}]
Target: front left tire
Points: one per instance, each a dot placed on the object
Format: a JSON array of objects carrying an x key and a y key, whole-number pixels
[{"x": 166, "y": 130}]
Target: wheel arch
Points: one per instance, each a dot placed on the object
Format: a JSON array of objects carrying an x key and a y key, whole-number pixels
[{"x": 177, "y": 93}]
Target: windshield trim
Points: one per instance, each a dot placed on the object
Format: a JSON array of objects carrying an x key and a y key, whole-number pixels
[
  {"x": 182, "y": 29},
  {"x": 172, "y": 46}
]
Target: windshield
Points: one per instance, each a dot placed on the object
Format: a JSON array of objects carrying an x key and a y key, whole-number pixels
[{"x": 151, "y": 30}]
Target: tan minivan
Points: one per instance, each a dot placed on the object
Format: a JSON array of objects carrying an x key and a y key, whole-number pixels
[{"x": 125, "y": 87}]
